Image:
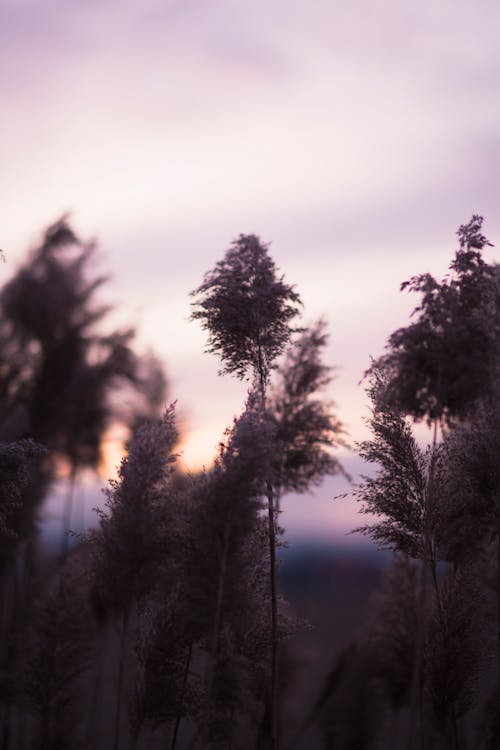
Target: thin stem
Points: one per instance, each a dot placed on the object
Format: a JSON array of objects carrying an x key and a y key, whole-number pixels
[
  {"x": 220, "y": 588},
  {"x": 415, "y": 691},
  {"x": 183, "y": 692},
  {"x": 210, "y": 676},
  {"x": 263, "y": 378},
  {"x": 274, "y": 619},
  {"x": 121, "y": 672}
]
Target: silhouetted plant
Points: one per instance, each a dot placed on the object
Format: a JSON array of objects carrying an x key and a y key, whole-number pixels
[
  {"x": 225, "y": 505},
  {"x": 130, "y": 538},
  {"x": 306, "y": 428},
  {"x": 57, "y": 372},
  {"x": 133, "y": 532},
  {"x": 50, "y": 307},
  {"x": 405, "y": 493},
  {"x": 399, "y": 492},
  {"x": 247, "y": 311},
  {"x": 438, "y": 366}
]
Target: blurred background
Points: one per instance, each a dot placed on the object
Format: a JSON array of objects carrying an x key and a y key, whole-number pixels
[{"x": 354, "y": 139}]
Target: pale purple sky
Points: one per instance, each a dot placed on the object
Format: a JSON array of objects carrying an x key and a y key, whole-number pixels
[{"x": 355, "y": 137}]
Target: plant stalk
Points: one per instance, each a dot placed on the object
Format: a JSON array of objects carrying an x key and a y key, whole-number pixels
[
  {"x": 183, "y": 693},
  {"x": 121, "y": 673},
  {"x": 274, "y": 619}
]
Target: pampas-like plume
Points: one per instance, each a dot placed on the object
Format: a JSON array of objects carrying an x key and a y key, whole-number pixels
[
  {"x": 228, "y": 555},
  {"x": 247, "y": 310},
  {"x": 132, "y": 536},
  {"x": 442, "y": 363},
  {"x": 405, "y": 492},
  {"x": 225, "y": 504},
  {"x": 305, "y": 426},
  {"x": 130, "y": 539}
]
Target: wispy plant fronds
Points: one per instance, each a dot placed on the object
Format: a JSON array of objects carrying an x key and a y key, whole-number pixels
[
  {"x": 244, "y": 452},
  {"x": 251, "y": 623},
  {"x": 399, "y": 493},
  {"x": 438, "y": 366},
  {"x": 226, "y": 501},
  {"x": 252, "y": 626},
  {"x": 132, "y": 531},
  {"x": 50, "y": 306},
  {"x": 246, "y": 308},
  {"x": 306, "y": 427},
  {"x": 58, "y": 372},
  {"x": 227, "y": 566}
]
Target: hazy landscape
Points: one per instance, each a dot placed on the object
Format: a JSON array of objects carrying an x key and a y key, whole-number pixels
[{"x": 249, "y": 375}]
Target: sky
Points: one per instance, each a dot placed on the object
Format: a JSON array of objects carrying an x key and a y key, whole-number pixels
[{"x": 354, "y": 137}]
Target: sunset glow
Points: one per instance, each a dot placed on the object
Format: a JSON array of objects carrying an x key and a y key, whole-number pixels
[{"x": 355, "y": 140}]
